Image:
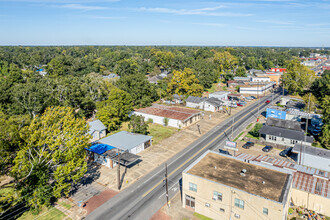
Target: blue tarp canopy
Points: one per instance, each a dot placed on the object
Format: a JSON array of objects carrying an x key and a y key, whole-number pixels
[{"x": 100, "y": 148}]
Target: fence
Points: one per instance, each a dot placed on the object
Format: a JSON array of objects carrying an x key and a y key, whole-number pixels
[{"x": 262, "y": 141}]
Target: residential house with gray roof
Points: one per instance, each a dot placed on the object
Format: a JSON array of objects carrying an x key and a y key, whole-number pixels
[
  {"x": 284, "y": 136},
  {"x": 97, "y": 130}
]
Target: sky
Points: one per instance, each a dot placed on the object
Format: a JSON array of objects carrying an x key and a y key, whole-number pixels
[{"x": 290, "y": 23}]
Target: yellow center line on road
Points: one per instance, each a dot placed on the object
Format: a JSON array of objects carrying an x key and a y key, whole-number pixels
[{"x": 144, "y": 195}]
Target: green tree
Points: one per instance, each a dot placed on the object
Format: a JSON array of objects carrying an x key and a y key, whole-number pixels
[
  {"x": 241, "y": 71},
  {"x": 52, "y": 158},
  {"x": 206, "y": 72},
  {"x": 325, "y": 133},
  {"x": 225, "y": 61},
  {"x": 138, "y": 125},
  {"x": 126, "y": 67},
  {"x": 10, "y": 139},
  {"x": 142, "y": 92},
  {"x": 297, "y": 77},
  {"x": 185, "y": 83},
  {"x": 321, "y": 86},
  {"x": 115, "y": 109},
  {"x": 55, "y": 67}
]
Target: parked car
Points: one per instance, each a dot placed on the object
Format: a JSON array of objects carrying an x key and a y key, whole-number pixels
[
  {"x": 233, "y": 105},
  {"x": 224, "y": 152},
  {"x": 241, "y": 103},
  {"x": 268, "y": 101},
  {"x": 248, "y": 144},
  {"x": 287, "y": 152},
  {"x": 253, "y": 97},
  {"x": 267, "y": 148}
]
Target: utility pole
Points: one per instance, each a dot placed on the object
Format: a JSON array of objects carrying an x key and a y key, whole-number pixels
[
  {"x": 199, "y": 130},
  {"x": 166, "y": 183},
  {"x": 306, "y": 128},
  {"x": 118, "y": 171}
]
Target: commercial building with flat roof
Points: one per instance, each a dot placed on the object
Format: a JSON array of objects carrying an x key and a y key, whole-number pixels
[
  {"x": 310, "y": 186},
  {"x": 225, "y": 187}
]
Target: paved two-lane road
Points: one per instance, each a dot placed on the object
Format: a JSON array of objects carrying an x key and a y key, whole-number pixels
[{"x": 144, "y": 197}]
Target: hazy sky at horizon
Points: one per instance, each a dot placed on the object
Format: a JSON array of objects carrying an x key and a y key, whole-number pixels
[{"x": 168, "y": 22}]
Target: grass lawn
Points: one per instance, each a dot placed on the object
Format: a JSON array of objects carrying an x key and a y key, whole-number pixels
[
  {"x": 66, "y": 205},
  {"x": 9, "y": 189},
  {"x": 254, "y": 133},
  {"x": 238, "y": 136},
  {"x": 249, "y": 126},
  {"x": 44, "y": 214},
  {"x": 202, "y": 217},
  {"x": 318, "y": 144},
  {"x": 160, "y": 132}
]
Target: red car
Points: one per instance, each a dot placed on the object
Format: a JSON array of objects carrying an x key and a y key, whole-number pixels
[
  {"x": 268, "y": 101},
  {"x": 239, "y": 104}
]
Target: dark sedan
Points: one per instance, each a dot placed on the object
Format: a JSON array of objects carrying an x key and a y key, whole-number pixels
[
  {"x": 248, "y": 144},
  {"x": 267, "y": 148}
]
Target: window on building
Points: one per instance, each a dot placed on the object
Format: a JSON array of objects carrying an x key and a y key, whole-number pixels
[
  {"x": 193, "y": 187},
  {"x": 190, "y": 201},
  {"x": 239, "y": 203},
  {"x": 222, "y": 210},
  {"x": 265, "y": 211},
  {"x": 217, "y": 196},
  {"x": 318, "y": 187},
  {"x": 321, "y": 173}
]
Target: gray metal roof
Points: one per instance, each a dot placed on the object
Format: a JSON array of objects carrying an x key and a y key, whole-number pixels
[
  {"x": 293, "y": 111},
  {"x": 125, "y": 140},
  {"x": 285, "y": 133},
  {"x": 176, "y": 96},
  {"x": 96, "y": 125},
  {"x": 195, "y": 99},
  {"x": 220, "y": 93},
  {"x": 293, "y": 125},
  {"x": 311, "y": 150},
  {"x": 214, "y": 101}
]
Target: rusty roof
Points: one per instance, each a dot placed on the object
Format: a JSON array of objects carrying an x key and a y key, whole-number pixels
[
  {"x": 307, "y": 179},
  {"x": 177, "y": 113},
  {"x": 227, "y": 171},
  {"x": 311, "y": 184}
]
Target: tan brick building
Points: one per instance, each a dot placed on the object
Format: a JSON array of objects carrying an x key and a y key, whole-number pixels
[{"x": 225, "y": 187}]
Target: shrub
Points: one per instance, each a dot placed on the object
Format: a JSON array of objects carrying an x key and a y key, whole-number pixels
[{"x": 166, "y": 121}]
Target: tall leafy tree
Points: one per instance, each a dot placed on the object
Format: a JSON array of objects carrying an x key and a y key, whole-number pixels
[
  {"x": 52, "y": 158},
  {"x": 126, "y": 67},
  {"x": 224, "y": 61},
  {"x": 115, "y": 109},
  {"x": 297, "y": 77},
  {"x": 142, "y": 92},
  {"x": 325, "y": 134},
  {"x": 185, "y": 83},
  {"x": 138, "y": 125}
]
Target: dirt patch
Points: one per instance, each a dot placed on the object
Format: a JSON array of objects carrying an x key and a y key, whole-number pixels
[{"x": 98, "y": 200}]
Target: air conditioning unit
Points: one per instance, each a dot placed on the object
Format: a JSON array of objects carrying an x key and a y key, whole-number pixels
[
  {"x": 237, "y": 216},
  {"x": 207, "y": 205}
]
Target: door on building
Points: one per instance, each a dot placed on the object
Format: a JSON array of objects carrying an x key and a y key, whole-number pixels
[{"x": 190, "y": 201}]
